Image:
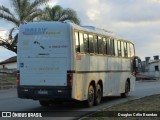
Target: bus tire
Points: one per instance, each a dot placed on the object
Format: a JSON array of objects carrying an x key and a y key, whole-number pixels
[
  {"x": 43, "y": 103},
  {"x": 125, "y": 94},
  {"x": 98, "y": 95},
  {"x": 91, "y": 94}
]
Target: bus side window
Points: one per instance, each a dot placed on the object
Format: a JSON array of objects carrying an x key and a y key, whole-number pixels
[
  {"x": 125, "y": 50},
  {"x": 86, "y": 47},
  {"x": 122, "y": 48},
  {"x": 95, "y": 44},
  {"x": 132, "y": 50},
  {"x": 112, "y": 47},
  {"x": 91, "y": 44},
  {"x": 128, "y": 49},
  {"x": 104, "y": 46},
  {"x": 108, "y": 46},
  {"x": 100, "y": 45},
  {"x": 119, "y": 48},
  {"x": 81, "y": 42},
  {"x": 77, "y": 42},
  {"x": 115, "y": 47}
]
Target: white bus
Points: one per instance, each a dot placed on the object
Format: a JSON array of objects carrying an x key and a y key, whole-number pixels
[{"x": 61, "y": 61}]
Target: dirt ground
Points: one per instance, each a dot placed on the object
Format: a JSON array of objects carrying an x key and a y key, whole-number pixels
[{"x": 146, "y": 108}]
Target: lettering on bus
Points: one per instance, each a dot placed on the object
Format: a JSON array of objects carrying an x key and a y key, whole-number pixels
[
  {"x": 34, "y": 31},
  {"x": 58, "y": 46},
  {"x": 40, "y": 31}
]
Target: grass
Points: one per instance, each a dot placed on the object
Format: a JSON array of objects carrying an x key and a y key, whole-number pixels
[{"x": 147, "y": 104}]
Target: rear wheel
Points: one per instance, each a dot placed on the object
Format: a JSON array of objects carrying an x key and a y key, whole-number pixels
[
  {"x": 98, "y": 95},
  {"x": 91, "y": 94},
  {"x": 127, "y": 89},
  {"x": 43, "y": 103}
]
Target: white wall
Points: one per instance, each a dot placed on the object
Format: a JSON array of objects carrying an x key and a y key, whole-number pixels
[
  {"x": 151, "y": 70},
  {"x": 9, "y": 66}
]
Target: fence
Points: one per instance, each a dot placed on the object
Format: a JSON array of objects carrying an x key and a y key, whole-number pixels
[
  {"x": 153, "y": 74},
  {"x": 10, "y": 72}
]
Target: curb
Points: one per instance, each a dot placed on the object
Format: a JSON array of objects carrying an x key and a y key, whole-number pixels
[{"x": 99, "y": 110}]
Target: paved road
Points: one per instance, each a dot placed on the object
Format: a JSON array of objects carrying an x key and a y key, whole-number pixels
[{"x": 10, "y": 102}]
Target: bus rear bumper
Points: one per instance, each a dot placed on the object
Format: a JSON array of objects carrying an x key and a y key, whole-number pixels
[{"x": 44, "y": 93}]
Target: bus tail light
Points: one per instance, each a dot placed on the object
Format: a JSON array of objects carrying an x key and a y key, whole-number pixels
[
  {"x": 69, "y": 79},
  {"x": 18, "y": 78}
]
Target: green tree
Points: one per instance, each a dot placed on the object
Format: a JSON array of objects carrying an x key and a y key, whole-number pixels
[
  {"x": 57, "y": 13},
  {"x": 23, "y": 11}
]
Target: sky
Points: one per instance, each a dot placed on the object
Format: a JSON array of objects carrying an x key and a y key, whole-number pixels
[{"x": 134, "y": 20}]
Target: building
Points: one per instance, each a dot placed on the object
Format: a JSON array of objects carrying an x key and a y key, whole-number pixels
[
  {"x": 10, "y": 63},
  {"x": 150, "y": 67}
]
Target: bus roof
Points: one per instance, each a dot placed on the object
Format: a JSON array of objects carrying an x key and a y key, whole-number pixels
[
  {"x": 90, "y": 29},
  {"x": 96, "y": 30}
]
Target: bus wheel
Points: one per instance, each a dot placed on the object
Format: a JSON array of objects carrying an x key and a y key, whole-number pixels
[
  {"x": 43, "y": 103},
  {"x": 98, "y": 95},
  {"x": 125, "y": 94},
  {"x": 91, "y": 95}
]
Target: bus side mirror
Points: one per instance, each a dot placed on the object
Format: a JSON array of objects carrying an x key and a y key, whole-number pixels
[{"x": 136, "y": 64}]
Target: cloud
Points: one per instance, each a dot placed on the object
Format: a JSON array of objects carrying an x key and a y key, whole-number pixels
[
  {"x": 153, "y": 1},
  {"x": 145, "y": 37},
  {"x": 92, "y": 14},
  {"x": 5, "y": 2},
  {"x": 5, "y": 54},
  {"x": 3, "y": 33},
  {"x": 52, "y": 3}
]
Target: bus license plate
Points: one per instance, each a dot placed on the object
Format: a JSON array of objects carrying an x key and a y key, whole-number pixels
[{"x": 43, "y": 92}]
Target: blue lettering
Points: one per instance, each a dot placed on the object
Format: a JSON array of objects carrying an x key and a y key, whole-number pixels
[
  {"x": 34, "y": 31},
  {"x": 43, "y": 30}
]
